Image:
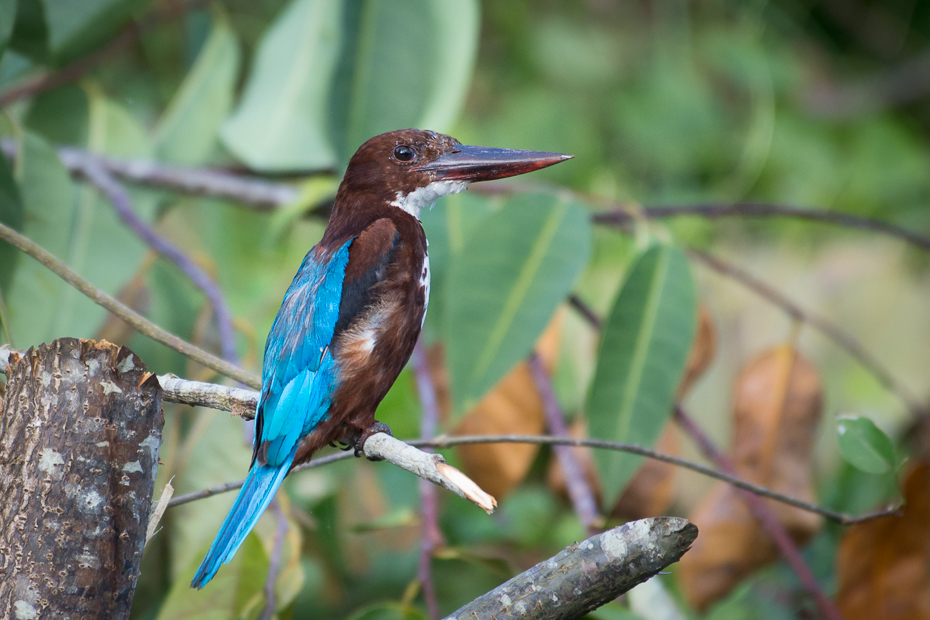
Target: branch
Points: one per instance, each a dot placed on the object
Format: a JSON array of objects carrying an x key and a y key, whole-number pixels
[
  {"x": 622, "y": 216},
  {"x": 100, "y": 178},
  {"x": 258, "y": 193},
  {"x": 432, "y": 535},
  {"x": 242, "y": 402},
  {"x": 587, "y": 575},
  {"x": 579, "y": 491},
  {"x": 117, "y": 308}
]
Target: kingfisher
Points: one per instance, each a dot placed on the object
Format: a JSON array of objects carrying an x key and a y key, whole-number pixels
[{"x": 353, "y": 313}]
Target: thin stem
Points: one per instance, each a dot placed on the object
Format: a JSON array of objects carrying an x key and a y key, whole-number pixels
[
  {"x": 431, "y": 535},
  {"x": 622, "y": 216},
  {"x": 768, "y": 519},
  {"x": 448, "y": 442},
  {"x": 98, "y": 176},
  {"x": 579, "y": 491},
  {"x": 117, "y": 308}
]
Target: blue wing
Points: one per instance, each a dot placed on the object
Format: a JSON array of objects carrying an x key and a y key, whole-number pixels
[{"x": 298, "y": 380}]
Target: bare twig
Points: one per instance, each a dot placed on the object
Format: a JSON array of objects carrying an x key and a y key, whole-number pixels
[
  {"x": 841, "y": 338},
  {"x": 588, "y": 574},
  {"x": 579, "y": 491},
  {"x": 117, "y": 308},
  {"x": 431, "y": 536},
  {"x": 768, "y": 519},
  {"x": 226, "y": 400},
  {"x": 622, "y": 216},
  {"x": 100, "y": 178},
  {"x": 252, "y": 191},
  {"x": 75, "y": 70}
]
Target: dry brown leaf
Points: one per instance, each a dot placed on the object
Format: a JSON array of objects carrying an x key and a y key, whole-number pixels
[
  {"x": 513, "y": 407},
  {"x": 777, "y": 405},
  {"x": 702, "y": 352},
  {"x": 882, "y": 564}
]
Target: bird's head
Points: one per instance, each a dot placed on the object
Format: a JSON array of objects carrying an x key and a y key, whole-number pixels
[{"x": 411, "y": 168}]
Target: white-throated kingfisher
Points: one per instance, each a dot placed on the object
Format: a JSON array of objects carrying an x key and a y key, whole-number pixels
[{"x": 352, "y": 315}]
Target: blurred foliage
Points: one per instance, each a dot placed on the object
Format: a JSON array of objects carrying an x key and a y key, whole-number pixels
[{"x": 803, "y": 102}]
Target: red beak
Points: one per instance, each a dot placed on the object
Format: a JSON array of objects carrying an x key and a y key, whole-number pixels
[{"x": 478, "y": 163}]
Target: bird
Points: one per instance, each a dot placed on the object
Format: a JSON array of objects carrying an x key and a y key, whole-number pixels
[{"x": 353, "y": 312}]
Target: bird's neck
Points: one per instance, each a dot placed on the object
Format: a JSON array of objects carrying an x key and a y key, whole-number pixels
[{"x": 353, "y": 213}]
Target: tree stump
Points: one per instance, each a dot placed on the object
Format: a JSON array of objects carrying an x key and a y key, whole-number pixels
[{"x": 80, "y": 429}]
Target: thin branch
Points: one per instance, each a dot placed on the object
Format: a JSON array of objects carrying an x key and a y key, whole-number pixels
[
  {"x": 242, "y": 402},
  {"x": 841, "y": 338},
  {"x": 100, "y": 178},
  {"x": 117, "y": 308},
  {"x": 431, "y": 535},
  {"x": 622, "y": 216},
  {"x": 255, "y": 192},
  {"x": 579, "y": 491},
  {"x": 78, "y": 68},
  {"x": 768, "y": 519},
  {"x": 588, "y": 574}
]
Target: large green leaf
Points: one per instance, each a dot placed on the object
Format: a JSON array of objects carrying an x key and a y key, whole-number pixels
[
  {"x": 74, "y": 26},
  {"x": 188, "y": 131},
  {"x": 59, "y": 30},
  {"x": 453, "y": 220},
  {"x": 7, "y": 18},
  {"x": 11, "y": 214},
  {"x": 403, "y": 65},
  {"x": 503, "y": 287},
  {"x": 237, "y": 587},
  {"x": 328, "y": 75},
  {"x": 280, "y": 122},
  {"x": 48, "y": 197},
  {"x": 643, "y": 353}
]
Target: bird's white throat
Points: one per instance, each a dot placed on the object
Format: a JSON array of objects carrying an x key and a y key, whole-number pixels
[{"x": 414, "y": 202}]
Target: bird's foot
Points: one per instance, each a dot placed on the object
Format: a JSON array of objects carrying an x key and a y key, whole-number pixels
[
  {"x": 374, "y": 429},
  {"x": 341, "y": 445}
]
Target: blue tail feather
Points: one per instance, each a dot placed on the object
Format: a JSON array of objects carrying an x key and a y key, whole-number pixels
[{"x": 257, "y": 492}]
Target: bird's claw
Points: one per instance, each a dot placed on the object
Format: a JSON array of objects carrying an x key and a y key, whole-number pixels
[{"x": 374, "y": 429}]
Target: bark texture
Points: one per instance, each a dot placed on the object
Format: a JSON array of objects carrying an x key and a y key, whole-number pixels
[
  {"x": 588, "y": 574},
  {"x": 80, "y": 429}
]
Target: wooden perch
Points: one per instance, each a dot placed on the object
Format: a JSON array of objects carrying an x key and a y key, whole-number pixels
[
  {"x": 80, "y": 428},
  {"x": 588, "y": 574}
]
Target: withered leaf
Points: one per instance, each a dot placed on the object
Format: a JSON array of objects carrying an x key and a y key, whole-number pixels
[
  {"x": 513, "y": 407},
  {"x": 777, "y": 404},
  {"x": 882, "y": 564}
]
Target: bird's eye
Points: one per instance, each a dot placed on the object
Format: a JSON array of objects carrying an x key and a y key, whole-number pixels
[{"x": 404, "y": 153}]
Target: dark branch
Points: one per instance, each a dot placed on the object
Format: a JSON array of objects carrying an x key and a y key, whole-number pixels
[{"x": 129, "y": 316}]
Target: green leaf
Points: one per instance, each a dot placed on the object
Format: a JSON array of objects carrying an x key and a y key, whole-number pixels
[
  {"x": 188, "y": 130},
  {"x": 382, "y": 85},
  {"x": 11, "y": 214},
  {"x": 864, "y": 445},
  {"x": 48, "y": 198},
  {"x": 280, "y": 122},
  {"x": 7, "y": 19},
  {"x": 75, "y": 26},
  {"x": 643, "y": 352},
  {"x": 504, "y": 286},
  {"x": 237, "y": 586}
]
